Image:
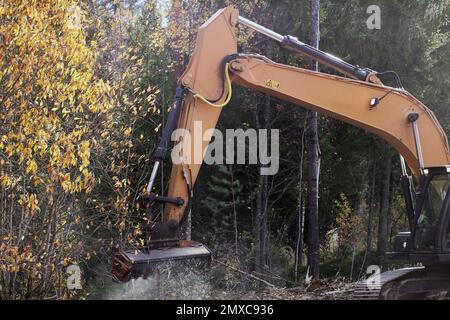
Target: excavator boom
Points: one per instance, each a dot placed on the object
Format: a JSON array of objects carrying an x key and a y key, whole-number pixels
[{"x": 368, "y": 104}]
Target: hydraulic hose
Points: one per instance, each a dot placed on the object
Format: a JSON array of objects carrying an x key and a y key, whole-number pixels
[{"x": 229, "y": 91}]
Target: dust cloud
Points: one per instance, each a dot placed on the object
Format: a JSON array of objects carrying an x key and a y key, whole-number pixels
[{"x": 166, "y": 283}]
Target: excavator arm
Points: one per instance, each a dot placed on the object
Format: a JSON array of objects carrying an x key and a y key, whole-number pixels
[{"x": 359, "y": 99}]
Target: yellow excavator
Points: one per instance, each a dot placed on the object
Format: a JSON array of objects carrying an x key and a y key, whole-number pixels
[{"x": 358, "y": 97}]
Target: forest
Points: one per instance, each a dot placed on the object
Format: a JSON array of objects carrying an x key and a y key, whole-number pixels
[{"x": 85, "y": 90}]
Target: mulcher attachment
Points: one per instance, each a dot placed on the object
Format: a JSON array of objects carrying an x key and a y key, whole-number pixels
[
  {"x": 163, "y": 251},
  {"x": 174, "y": 254}
]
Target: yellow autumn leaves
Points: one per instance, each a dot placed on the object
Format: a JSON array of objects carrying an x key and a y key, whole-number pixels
[
  {"x": 74, "y": 110},
  {"x": 52, "y": 96},
  {"x": 53, "y": 110},
  {"x": 30, "y": 203}
]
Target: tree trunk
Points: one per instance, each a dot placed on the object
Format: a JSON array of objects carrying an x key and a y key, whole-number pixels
[
  {"x": 301, "y": 210},
  {"x": 385, "y": 195},
  {"x": 299, "y": 245},
  {"x": 371, "y": 209},
  {"x": 313, "y": 163},
  {"x": 262, "y": 199},
  {"x": 370, "y": 215},
  {"x": 261, "y": 225},
  {"x": 236, "y": 234}
]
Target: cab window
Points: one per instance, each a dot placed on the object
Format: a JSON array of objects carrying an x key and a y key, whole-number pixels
[
  {"x": 427, "y": 229},
  {"x": 447, "y": 238}
]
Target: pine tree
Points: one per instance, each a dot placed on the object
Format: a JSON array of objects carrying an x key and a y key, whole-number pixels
[{"x": 223, "y": 202}]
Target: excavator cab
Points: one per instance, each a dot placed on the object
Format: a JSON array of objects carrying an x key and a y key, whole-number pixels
[
  {"x": 432, "y": 228},
  {"x": 429, "y": 239},
  {"x": 427, "y": 244}
]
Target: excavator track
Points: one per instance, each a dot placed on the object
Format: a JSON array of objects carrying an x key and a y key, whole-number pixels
[
  {"x": 370, "y": 288},
  {"x": 416, "y": 283}
]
